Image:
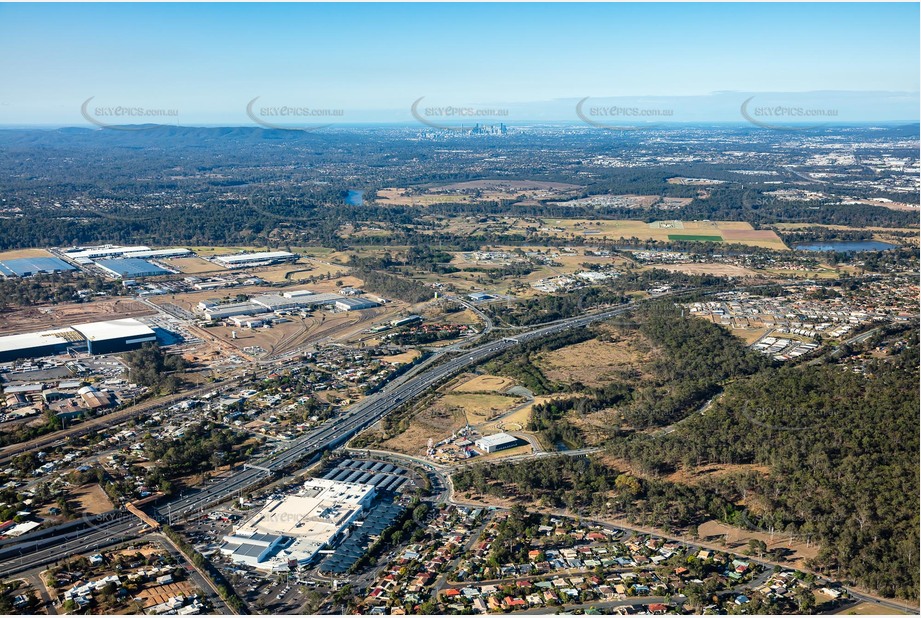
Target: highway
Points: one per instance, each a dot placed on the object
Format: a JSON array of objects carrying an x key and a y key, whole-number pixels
[{"x": 50, "y": 545}]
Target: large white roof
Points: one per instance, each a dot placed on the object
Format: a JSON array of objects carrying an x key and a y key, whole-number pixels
[
  {"x": 253, "y": 257},
  {"x": 114, "y": 329},
  {"x": 102, "y": 251},
  {"x": 495, "y": 439},
  {"x": 34, "y": 340}
]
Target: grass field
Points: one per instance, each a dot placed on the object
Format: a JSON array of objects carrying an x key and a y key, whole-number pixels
[
  {"x": 627, "y": 357},
  {"x": 484, "y": 384},
  {"x": 718, "y": 270},
  {"x": 23, "y": 253},
  {"x": 870, "y": 609},
  {"x": 195, "y": 265},
  {"x": 699, "y": 237},
  {"x": 614, "y": 229},
  {"x": 479, "y": 408}
]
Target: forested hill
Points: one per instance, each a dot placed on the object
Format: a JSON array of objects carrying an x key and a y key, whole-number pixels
[{"x": 843, "y": 453}]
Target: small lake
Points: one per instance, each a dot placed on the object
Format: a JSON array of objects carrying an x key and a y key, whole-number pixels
[
  {"x": 354, "y": 197},
  {"x": 845, "y": 247}
]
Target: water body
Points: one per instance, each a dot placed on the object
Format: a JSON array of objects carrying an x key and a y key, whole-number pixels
[
  {"x": 846, "y": 247},
  {"x": 354, "y": 197}
]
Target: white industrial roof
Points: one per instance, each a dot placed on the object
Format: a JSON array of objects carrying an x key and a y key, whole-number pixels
[
  {"x": 253, "y": 257},
  {"x": 155, "y": 253},
  {"x": 495, "y": 440},
  {"x": 114, "y": 329},
  {"x": 34, "y": 340},
  {"x": 296, "y": 293},
  {"x": 90, "y": 252}
]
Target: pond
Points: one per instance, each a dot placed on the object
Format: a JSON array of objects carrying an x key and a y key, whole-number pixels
[
  {"x": 354, "y": 197},
  {"x": 845, "y": 247}
]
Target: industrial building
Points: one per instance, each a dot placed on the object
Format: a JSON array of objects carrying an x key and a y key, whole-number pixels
[
  {"x": 103, "y": 251},
  {"x": 95, "y": 338},
  {"x": 275, "y": 302},
  {"x": 354, "y": 304},
  {"x": 318, "y": 299},
  {"x": 295, "y": 528},
  {"x": 158, "y": 253},
  {"x": 410, "y": 319},
  {"x": 298, "y": 294},
  {"x": 497, "y": 442},
  {"x": 219, "y": 312},
  {"x": 27, "y": 267},
  {"x": 115, "y": 335},
  {"x": 130, "y": 268},
  {"x": 43, "y": 343},
  {"x": 243, "y": 260}
]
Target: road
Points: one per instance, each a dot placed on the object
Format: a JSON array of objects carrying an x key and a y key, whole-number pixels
[
  {"x": 54, "y": 543},
  {"x": 114, "y": 418}
]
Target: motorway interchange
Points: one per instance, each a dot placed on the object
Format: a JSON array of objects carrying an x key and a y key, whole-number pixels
[{"x": 49, "y": 545}]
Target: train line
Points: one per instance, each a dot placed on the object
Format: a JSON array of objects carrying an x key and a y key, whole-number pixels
[{"x": 116, "y": 526}]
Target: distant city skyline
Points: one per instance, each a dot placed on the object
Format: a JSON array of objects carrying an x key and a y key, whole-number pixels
[{"x": 278, "y": 64}]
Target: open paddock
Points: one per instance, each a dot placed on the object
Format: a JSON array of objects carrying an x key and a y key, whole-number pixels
[{"x": 612, "y": 230}]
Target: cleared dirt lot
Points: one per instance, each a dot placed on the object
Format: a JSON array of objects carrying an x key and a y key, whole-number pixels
[
  {"x": 737, "y": 539},
  {"x": 27, "y": 319},
  {"x": 91, "y": 499}
]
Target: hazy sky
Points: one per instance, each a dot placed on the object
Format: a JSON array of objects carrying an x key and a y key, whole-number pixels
[{"x": 207, "y": 61}]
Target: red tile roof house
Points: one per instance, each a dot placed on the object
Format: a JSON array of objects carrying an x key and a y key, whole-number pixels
[
  {"x": 596, "y": 536},
  {"x": 451, "y": 593},
  {"x": 516, "y": 603},
  {"x": 658, "y": 608}
]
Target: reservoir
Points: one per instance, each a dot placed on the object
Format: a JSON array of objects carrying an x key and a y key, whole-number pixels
[
  {"x": 354, "y": 197},
  {"x": 846, "y": 247}
]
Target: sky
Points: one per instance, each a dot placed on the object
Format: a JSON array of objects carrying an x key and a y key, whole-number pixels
[{"x": 204, "y": 63}]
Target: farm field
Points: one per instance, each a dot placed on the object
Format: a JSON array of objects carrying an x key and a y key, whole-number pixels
[
  {"x": 719, "y": 270},
  {"x": 726, "y": 231}
]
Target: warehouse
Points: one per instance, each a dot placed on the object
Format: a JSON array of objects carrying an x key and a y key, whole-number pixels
[
  {"x": 296, "y": 528},
  {"x": 243, "y": 260},
  {"x": 318, "y": 299},
  {"x": 219, "y": 312},
  {"x": 158, "y": 253},
  {"x": 43, "y": 343},
  {"x": 410, "y": 319},
  {"x": 115, "y": 335},
  {"x": 27, "y": 267},
  {"x": 298, "y": 294},
  {"x": 497, "y": 442},
  {"x": 274, "y": 302},
  {"x": 104, "y": 251},
  {"x": 354, "y": 304},
  {"x": 130, "y": 268}
]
